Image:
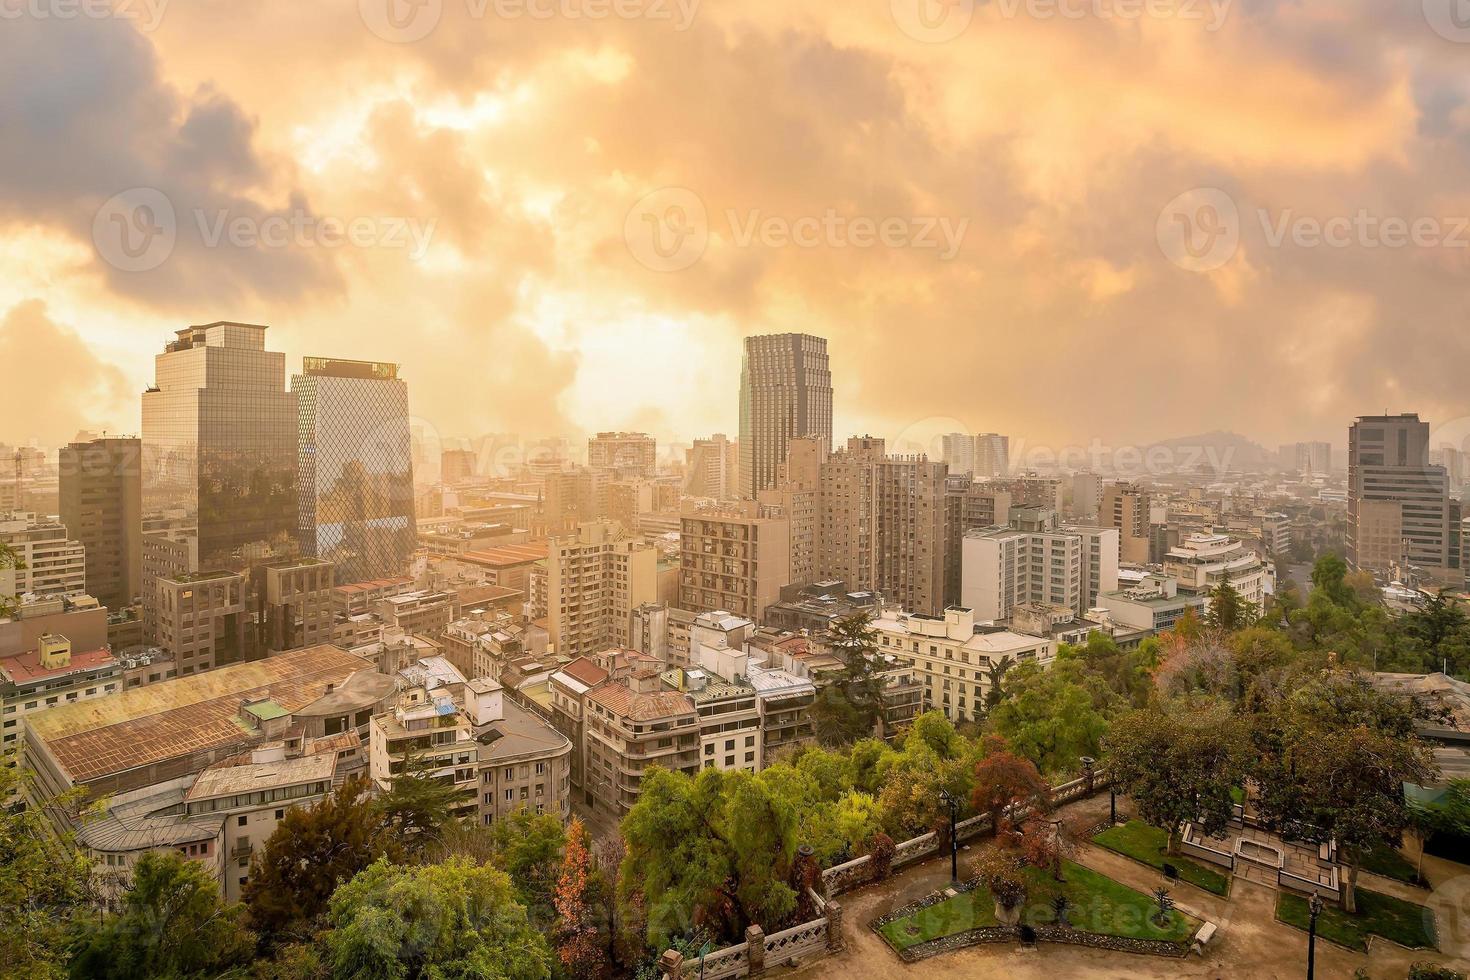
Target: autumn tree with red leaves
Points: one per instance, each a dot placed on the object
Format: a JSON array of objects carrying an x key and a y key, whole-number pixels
[
  {"x": 1003, "y": 780},
  {"x": 577, "y": 945}
]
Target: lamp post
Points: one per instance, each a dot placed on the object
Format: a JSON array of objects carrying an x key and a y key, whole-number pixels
[
  {"x": 954, "y": 837},
  {"x": 1314, "y": 909},
  {"x": 1087, "y": 763}
]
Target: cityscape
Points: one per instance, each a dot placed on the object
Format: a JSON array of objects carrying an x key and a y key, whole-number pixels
[{"x": 615, "y": 543}]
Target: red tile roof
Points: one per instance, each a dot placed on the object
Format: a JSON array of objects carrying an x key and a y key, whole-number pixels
[{"x": 585, "y": 671}]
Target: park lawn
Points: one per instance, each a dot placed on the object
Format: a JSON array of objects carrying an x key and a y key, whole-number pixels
[
  {"x": 966, "y": 911},
  {"x": 1144, "y": 843},
  {"x": 1098, "y": 904},
  {"x": 1381, "y": 915},
  {"x": 1389, "y": 863}
]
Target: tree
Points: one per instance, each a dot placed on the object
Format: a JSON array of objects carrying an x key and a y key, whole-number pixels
[
  {"x": 528, "y": 847},
  {"x": 450, "y": 920},
  {"x": 834, "y": 718},
  {"x": 1329, "y": 576},
  {"x": 418, "y": 807},
  {"x": 1179, "y": 765},
  {"x": 8, "y": 559},
  {"x": 578, "y": 946},
  {"x": 173, "y": 923},
  {"x": 995, "y": 676},
  {"x": 44, "y": 881},
  {"x": 1004, "y": 780},
  {"x": 1228, "y": 609},
  {"x": 855, "y": 642},
  {"x": 1053, "y": 716},
  {"x": 313, "y": 850}
]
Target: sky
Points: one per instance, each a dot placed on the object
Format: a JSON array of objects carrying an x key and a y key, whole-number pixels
[{"x": 1068, "y": 220}]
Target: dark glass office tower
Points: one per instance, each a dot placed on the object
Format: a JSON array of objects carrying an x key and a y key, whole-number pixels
[
  {"x": 219, "y": 445},
  {"x": 355, "y": 471}
]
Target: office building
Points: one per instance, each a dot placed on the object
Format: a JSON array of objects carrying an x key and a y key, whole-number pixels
[
  {"x": 712, "y": 467},
  {"x": 203, "y": 619},
  {"x": 1087, "y": 491},
  {"x": 1126, "y": 508},
  {"x": 785, "y": 393},
  {"x": 629, "y": 453},
  {"x": 354, "y": 467},
  {"x": 1307, "y": 458},
  {"x": 958, "y": 452},
  {"x": 594, "y": 580},
  {"x": 100, "y": 487},
  {"x": 1036, "y": 559},
  {"x": 295, "y": 596},
  {"x": 456, "y": 466},
  {"x": 992, "y": 456},
  {"x": 1201, "y": 562},
  {"x": 49, "y": 562},
  {"x": 50, "y": 674},
  {"x": 735, "y": 558},
  {"x": 1400, "y": 514}
]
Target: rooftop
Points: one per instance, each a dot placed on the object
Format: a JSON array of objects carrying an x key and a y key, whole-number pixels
[
  {"x": 518, "y": 733},
  {"x": 26, "y": 668},
  {"x": 506, "y": 555},
  {"x": 624, "y": 702},
  {"x": 229, "y": 779}
]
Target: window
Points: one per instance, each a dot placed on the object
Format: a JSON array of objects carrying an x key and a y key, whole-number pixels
[
  {"x": 280, "y": 814},
  {"x": 241, "y": 820}
]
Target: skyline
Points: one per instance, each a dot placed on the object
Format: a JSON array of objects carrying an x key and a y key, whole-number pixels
[{"x": 492, "y": 210}]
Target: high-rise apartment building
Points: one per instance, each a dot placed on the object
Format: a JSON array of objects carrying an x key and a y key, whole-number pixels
[
  {"x": 1399, "y": 510},
  {"x": 355, "y": 468},
  {"x": 1307, "y": 458},
  {"x": 1086, "y": 496},
  {"x": 456, "y": 466},
  {"x": 992, "y": 456},
  {"x": 736, "y": 559},
  {"x": 712, "y": 468},
  {"x": 796, "y": 495},
  {"x": 1126, "y": 507},
  {"x": 101, "y": 505},
  {"x": 884, "y": 524},
  {"x": 785, "y": 393},
  {"x": 631, "y": 453},
  {"x": 219, "y": 445},
  {"x": 202, "y": 619},
  {"x": 594, "y": 580},
  {"x": 958, "y": 450},
  {"x": 50, "y": 562},
  {"x": 1037, "y": 560}
]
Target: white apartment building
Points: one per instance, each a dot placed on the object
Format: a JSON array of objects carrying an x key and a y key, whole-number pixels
[
  {"x": 1036, "y": 560},
  {"x": 50, "y": 563},
  {"x": 952, "y": 657},
  {"x": 594, "y": 581},
  {"x": 1202, "y": 561}
]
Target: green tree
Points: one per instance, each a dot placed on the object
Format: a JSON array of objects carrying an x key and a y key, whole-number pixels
[
  {"x": 1228, "y": 610},
  {"x": 528, "y": 847},
  {"x": 1053, "y": 716},
  {"x": 437, "y": 922},
  {"x": 8, "y": 559},
  {"x": 173, "y": 923},
  {"x": 418, "y": 807},
  {"x": 313, "y": 850},
  {"x": 995, "y": 678},
  {"x": 44, "y": 881},
  {"x": 1329, "y": 576},
  {"x": 1179, "y": 765},
  {"x": 836, "y": 720}
]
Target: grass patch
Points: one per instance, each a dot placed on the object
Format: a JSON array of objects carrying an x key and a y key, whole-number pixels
[
  {"x": 1237, "y": 794},
  {"x": 1389, "y": 863},
  {"x": 1141, "y": 842},
  {"x": 1098, "y": 904},
  {"x": 1380, "y": 915}
]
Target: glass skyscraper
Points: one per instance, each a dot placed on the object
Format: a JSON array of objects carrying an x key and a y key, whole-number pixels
[
  {"x": 219, "y": 444},
  {"x": 785, "y": 393},
  {"x": 355, "y": 472}
]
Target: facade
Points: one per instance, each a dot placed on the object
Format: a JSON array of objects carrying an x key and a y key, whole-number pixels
[
  {"x": 785, "y": 393},
  {"x": 712, "y": 468},
  {"x": 885, "y": 524},
  {"x": 456, "y": 466},
  {"x": 219, "y": 444},
  {"x": 524, "y": 763},
  {"x": 953, "y": 657},
  {"x": 354, "y": 467},
  {"x": 101, "y": 504},
  {"x": 49, "y": 675},
  {"x": 629, "y": 730},
  {"x": 992, "y": 456},
  {"x": 594, "y": 581},
  {"x": 569, "y": 689},
  {"x": 1202, "y": 561},
  {"x": 1126, "y": 507},
  {"x": 1399, "y": 509},
  {"x": 295, "y": 597},
  {"x": 815, "y": 607},
  {"x": 1152, "y": 606},
  {"x": 631, "y": 453},
  {"x": 797, "y": 495},
  {"x": 736, "y": 558},
  {"x": 1037, "y": 560},
  {"x": 958, "y": 452},
  {"x": 51, "y": 563},
  {"x": 202, "y": 619},
  {"x": 1086, "y": 497}
]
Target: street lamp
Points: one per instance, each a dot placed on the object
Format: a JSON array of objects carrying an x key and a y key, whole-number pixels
[
  {"x": 1087, "y": 763},
  {"x": 1314, "y": 909},
  {"x": 954, "y": 838}
]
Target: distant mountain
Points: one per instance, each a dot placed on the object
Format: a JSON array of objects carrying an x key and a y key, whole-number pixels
[{"x": 1212, "y": 452}]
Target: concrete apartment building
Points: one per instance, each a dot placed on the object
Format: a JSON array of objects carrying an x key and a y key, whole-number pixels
[
  {"x": 51, "y": 562},
  {"x": 1037, "y": 560},
  {"x": 52, "y": 674},
  {"x": 735, "y": 558},
  {"x": 884, "y": 524},
  {"x": 629, "y": 727},
  {"x": 1087, "y": 491},
  {"x": 100, "y": 491},
  {"x": 296, "y": 603},
  {"x": 992, "y": 456},
  {"x": 594, "y": 581},
  {"x": 797, "y": 494},
  {"x": 1202, "y": 561},
  {"x": 421, "y": 611},
  {"x": 1031, "y": 491},
  {"x": 785, "y": 394},
  {"x": 202, "y": 619},
  {"x": 630, "y": 453},
  {"x": 1400, "y": 513},
  {"x": 952, "y": 656},
  {"x": 569, "y": 689},
  {"x": 1152, "y": 606},
  {"x": 712, "y": 467},
  {"x": 1126, "y": 508}
]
